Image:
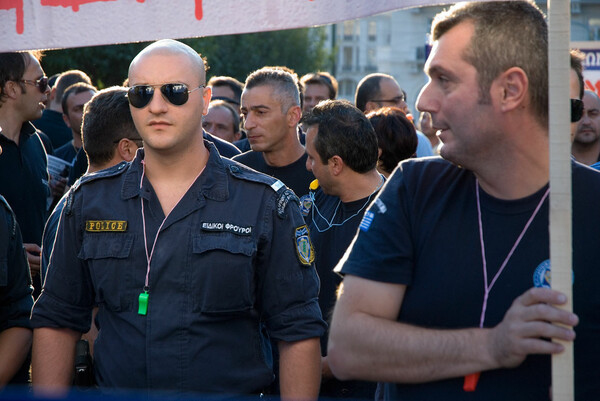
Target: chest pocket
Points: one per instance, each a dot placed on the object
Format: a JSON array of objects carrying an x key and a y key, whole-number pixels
[
  {"x": 106, "y": 255},
  {"x": 223, "y": 273}
]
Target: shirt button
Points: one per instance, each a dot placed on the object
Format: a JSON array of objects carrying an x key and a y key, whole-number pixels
[{"x": 235, "y": 169}]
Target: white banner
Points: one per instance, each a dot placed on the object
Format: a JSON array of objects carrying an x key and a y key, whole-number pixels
[
  {"x": 591, "y": 71},
  {"x": 51, "y": 24}
]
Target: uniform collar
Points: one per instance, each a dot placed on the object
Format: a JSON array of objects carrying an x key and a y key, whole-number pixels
[{"x": 212, "y": 184}]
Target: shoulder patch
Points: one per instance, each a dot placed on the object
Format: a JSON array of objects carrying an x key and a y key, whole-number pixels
[
  {"x": 285, "y": 195},
  {"x": 304, "y": 247}
]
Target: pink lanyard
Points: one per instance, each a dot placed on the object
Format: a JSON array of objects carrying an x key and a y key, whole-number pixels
[
  {"x": 471, "y": 380},
  {"x": 143, "y": 297}
]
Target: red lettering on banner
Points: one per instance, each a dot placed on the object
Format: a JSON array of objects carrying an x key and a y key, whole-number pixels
[
  {"x": 68, "y": 3},
  {"x": 17, "y": 5}
]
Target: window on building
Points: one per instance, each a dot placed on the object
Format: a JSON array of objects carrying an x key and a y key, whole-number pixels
[
  {"x": 347, "y": 88},
  {"x": 349, "y": 30},
  {"x": 371, "y": 60},
  {"x": 594, "y": 24},
  {"x": 347, "y": 58},
  {"x": 372, "y": 31}
]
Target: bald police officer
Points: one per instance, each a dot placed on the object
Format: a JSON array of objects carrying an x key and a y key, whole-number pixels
[{"x": 189, "y": 290}]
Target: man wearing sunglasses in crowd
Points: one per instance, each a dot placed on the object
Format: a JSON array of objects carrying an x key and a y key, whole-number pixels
[
  {"x": 576, "y": 87},
  {"x": 24, "y": 181},
  {"x": 189, "y": 289}
]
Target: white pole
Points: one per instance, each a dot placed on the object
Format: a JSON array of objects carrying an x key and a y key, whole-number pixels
[{"x": 559, "y": 14}]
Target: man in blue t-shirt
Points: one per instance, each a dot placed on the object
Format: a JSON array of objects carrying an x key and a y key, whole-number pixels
[
  {"x": 342, "y": 153},
  {"x": 446, "y": 290}
]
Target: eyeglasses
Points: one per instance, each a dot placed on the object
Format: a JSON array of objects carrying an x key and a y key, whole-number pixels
[
  {"x": 42, "y": 83},
  {"x": 576, "y": 110},
  {"x": 396, "y": 100},
  {"x": 177, "y": 94}
]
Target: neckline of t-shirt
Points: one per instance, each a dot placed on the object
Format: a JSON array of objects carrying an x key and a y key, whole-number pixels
[{"x": 512, "y": 206}]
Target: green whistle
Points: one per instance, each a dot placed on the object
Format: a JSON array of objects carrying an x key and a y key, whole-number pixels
[{"x": 143, "y": 303}]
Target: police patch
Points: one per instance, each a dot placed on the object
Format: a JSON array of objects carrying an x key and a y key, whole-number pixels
[
  {"x": 306, "y": 253},
  {"x": 542, "y": 275},
  {"x": 226, "y": 227},
  {"x": 305, "y": 204},
  {"x": 100, "y": 226}
]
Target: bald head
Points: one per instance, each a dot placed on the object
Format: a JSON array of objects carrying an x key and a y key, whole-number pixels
[{"x": 169, "y": 47}]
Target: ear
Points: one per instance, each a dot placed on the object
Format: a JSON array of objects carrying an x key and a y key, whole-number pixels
[
  {"x": 370, "y": 106},
  {"x": 511, "y": 89},
  {"x": 126, "y": 149},
  {"x": 336, "y": 165},
  {"x": 52, "y": 95},
  {"x": 66, "y": 120},
  {"x": 206, "y": 95},
  {"x": 11, "y": 89},
  {"x": 293, "y": 116}
]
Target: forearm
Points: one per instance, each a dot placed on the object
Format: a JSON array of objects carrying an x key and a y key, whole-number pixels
[
  {"x": 14, "y": 346},
  {"x": 52, "y": 360},
  {"x": 300, "y": 369},
  {"x": 372, "y": 348}
]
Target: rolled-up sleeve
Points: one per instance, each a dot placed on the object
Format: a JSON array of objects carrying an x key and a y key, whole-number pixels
[{"x": 68, "y": 296}]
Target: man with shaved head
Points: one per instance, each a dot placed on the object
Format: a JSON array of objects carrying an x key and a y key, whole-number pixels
[
  {"x": 586, "y": 144},
  {"x": 189, "y": 289}
]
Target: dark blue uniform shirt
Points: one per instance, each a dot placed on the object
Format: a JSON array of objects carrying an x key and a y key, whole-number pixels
[
  {"x": 226, "y": 275},
  {"x": 15, "y": 282}
]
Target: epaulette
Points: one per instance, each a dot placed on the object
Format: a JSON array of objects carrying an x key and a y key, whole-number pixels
[
  {"x": 11, "y": 220},
  {"x": 284, "y": 194},
  {"x": 86, "y": 178}
]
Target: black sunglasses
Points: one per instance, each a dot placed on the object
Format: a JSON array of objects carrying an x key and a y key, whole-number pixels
[
  {"x": 177, "y": 94},
  {"x": 41, "y": 84},
  {"x": 576, "y": 110}
]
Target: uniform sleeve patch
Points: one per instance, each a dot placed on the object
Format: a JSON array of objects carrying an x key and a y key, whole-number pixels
[
  {"x": 306, "y": 252},
  {"x": 284, "y": 197},
  {"x": 366, "y": 221},
  {"x": 305, "y": 204},
  {"x": 99, "y": 226}
]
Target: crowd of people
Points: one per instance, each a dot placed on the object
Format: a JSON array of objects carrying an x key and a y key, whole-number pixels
[{"x": 266, "y": 239}]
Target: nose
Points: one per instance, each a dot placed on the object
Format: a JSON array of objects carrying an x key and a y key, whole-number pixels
[
  {"x": 425, "y": 101},
  {"x": 308, "y": 166},
  {"x": 158, "y": 104},
  {"x": 249, "y": 121}
]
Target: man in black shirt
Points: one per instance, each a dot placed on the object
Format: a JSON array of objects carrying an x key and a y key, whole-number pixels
[
  {"x": 24, "y": 182},
  {"x": 271, "y": 110},
  {"x": 342, "y": 153}
]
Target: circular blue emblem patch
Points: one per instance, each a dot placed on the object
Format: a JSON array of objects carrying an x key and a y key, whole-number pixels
[
  {"x": 305, "y": 204},
  {"x": 542, "y": 275}
]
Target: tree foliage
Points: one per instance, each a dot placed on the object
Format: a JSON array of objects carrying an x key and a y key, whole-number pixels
[{"x": 232, "y": 55}]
